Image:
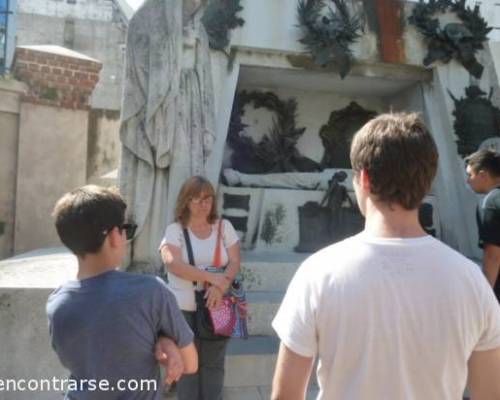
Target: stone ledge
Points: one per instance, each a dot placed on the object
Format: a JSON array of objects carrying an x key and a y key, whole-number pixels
[{"x": 45, "y": 268}]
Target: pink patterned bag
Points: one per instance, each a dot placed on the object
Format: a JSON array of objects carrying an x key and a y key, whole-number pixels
[{"x": 224, "y": 317}]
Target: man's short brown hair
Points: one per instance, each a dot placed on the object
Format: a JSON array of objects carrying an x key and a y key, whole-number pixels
[
  {"x": 486, "y": 160},
  {"x": 85, "y": 215},
  {"x": 399, "y": 156}
]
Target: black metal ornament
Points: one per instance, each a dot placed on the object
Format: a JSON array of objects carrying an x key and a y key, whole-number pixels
[
  {"x": 220, "y": 17},
  {"x": 328, "y": 34},
  {"x": 476, "y": 119},
  {"x": 337, "y": 134},
  {"x": 459, "y": 41},
  {"x": 277, "y": 151}
]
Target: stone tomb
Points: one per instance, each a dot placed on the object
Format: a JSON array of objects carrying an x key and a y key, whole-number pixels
[{"x": 264, "y": 207}]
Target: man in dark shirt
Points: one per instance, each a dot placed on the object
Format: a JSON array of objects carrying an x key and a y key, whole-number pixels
[
  {"x": 106, "y": 324},
  {"x": 483, "y": 171}
]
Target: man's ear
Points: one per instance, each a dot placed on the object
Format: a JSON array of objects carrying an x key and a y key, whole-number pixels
[{"x": 364, "y": 180}]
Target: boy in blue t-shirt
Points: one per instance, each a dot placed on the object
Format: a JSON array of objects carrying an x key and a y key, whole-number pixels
[{"x": 110, "y": 328}]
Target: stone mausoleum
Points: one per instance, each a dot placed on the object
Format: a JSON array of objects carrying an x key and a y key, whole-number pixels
[{"x": 287, "y": 104}]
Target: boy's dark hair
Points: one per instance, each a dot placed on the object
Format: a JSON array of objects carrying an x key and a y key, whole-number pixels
[
  {"x": 85, "y": 215},
  {"x": 400, "y": 157},
  {"x": 485, "y": 159}
]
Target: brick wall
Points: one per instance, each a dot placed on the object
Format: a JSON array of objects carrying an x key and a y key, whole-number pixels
[{"x": 55, "y": 79}]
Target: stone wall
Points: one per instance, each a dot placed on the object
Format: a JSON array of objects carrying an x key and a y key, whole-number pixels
[
  {"x": 44, "y": 141},
  {"x": 93, "y": 27},
  {"x": 101, "y": 10},
  {"x": 56, "y": 77},
  {"x": 10, "y": 94},
  {"x": 103, "y": 144}
]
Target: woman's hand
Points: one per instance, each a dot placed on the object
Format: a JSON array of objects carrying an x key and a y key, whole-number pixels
[
  {"x": 213, "y": 295},
  {"x": 220, "y": 280}
]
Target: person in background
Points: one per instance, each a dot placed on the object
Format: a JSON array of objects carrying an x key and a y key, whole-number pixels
[{"x": 483, "y": 176}]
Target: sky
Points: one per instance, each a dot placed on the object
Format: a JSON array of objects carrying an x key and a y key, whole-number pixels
[{"x": 133, "y": 3}]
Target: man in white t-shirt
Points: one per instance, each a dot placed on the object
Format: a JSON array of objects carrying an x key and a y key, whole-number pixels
[{"x": 391, "y": 313}]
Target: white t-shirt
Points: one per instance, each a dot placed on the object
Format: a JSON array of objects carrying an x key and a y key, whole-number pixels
[
  {"x": 203, "y": 252},
  {"x": 389, "y": 319}
]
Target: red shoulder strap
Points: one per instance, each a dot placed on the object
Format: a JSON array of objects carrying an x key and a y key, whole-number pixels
[{"x": 217, "y": 254}]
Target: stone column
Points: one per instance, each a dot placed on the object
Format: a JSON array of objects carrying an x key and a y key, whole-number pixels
[{"x": 53, "y": 126}]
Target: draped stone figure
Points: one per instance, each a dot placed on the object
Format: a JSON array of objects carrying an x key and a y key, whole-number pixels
[{"x": 168, "y": 122}]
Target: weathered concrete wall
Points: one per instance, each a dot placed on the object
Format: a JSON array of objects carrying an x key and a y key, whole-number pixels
[
  {"x": 10, "y": 92},
  {"x": 495, "y": 56},
  {"x": 52, "y": 160},
  {"x": 103, "y": 144},
  {"x": 101, "y": 10},
  {"x": 25, "y": 285},
  {"x": 90, "y": 27}
]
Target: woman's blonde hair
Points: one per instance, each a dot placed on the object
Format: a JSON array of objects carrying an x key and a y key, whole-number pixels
[{"x": 194, "y": 187}]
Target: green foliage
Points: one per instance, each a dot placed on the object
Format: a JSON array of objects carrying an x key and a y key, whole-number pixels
[
  {"x": 219, "y": 18},
  {"x": 328, "y": 35},
  {"x": 272, "y": 221},
  {"x": 249, "y": 278}
]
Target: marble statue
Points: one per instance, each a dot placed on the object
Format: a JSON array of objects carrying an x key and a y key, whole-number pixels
[
  {"x": 168, "y": 121},
  {"x": 287, "y": 180}
]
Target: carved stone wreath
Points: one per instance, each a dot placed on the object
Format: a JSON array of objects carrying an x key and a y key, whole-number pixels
[
  {"x": 328, "y": 33},
  {"x": 219, "y": 18},
  {"x": 476, "y": 119},
  {"x": 460, "y": 41},
  {"x": 277, "y": 151}
]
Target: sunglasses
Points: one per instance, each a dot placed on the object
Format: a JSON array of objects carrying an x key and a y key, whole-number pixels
[{"x": 128, "y": 228}]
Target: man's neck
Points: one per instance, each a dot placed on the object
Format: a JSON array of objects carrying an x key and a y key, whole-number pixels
[
  {"x": 392, "y": 222},
  {"x": 495, "y": 183},
  {"x": 89, "y": 268}
]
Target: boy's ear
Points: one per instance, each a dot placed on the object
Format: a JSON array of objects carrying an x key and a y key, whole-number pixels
[{"x": 114, "y": 237}]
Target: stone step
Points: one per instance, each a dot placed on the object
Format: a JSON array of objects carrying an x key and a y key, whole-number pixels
[
  {"x": 255, "y": 393},
  {"x": 269, "y": 271},
  {"x": 251, "y": 363},
  {"x": 259, "y": 393},
  {"x": 262, "y": 307}
]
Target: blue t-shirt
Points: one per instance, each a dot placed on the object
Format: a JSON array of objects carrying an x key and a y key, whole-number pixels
[{"x": 105, "y": 328}]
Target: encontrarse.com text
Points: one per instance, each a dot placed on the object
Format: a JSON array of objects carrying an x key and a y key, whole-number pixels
[{"x": 90, "y": 385}]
